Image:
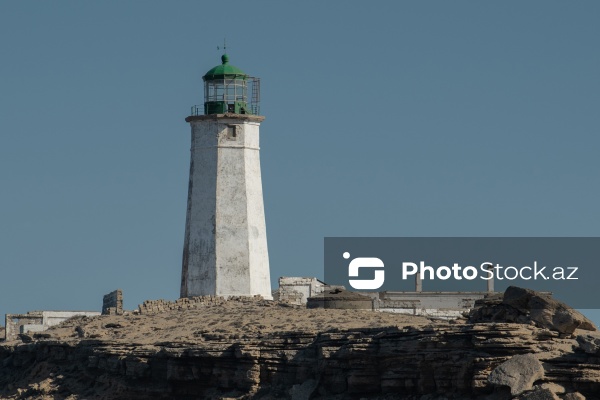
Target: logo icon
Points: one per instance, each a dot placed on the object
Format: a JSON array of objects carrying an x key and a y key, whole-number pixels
[{"x": 365, "y": 262}]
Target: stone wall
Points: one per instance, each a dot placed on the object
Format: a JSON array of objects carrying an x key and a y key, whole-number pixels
[
  {"x": 289, "y": 296},
  {"x": 188, "y": 303},
  {"x": 112, "y": 303},
  {"x": 297, "y": 290}
]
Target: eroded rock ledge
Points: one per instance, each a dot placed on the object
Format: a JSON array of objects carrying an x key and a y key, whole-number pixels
[{"x": 399, "y": 361}]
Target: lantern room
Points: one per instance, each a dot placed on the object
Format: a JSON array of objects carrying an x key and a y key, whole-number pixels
[{"x": 226, "y": 90}]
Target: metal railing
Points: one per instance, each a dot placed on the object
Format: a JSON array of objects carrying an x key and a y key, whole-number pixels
[
  {"x": 255, "y": 95},
  {"x": 197, "y": 110}
]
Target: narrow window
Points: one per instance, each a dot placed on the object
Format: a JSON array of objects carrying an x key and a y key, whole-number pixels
[{"x": 232, "y": 131}]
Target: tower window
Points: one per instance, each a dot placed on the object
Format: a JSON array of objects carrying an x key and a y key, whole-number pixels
[{"x": 232, "y": 132}]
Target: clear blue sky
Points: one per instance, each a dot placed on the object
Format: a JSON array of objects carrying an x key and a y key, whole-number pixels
[{"x": 384, "y": 118}]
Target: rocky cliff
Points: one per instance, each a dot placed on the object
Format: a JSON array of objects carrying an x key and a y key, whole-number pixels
[{"x": 237, "y": 349}]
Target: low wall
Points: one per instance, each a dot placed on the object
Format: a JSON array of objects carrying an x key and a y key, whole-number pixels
[
  {"x": 431, "y": 304},
  {"x": 448, "y": 305},
  {"x": 189, "y": 303}
]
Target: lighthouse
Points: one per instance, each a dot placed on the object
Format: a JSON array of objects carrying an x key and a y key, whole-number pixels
[{"x": 225, "y": 246}]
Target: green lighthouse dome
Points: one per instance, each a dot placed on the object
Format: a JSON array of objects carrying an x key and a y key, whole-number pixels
[{"x": 224, "y": 71}]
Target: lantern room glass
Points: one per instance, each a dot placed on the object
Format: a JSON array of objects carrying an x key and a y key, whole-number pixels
[{"x": 227, "y": 90}]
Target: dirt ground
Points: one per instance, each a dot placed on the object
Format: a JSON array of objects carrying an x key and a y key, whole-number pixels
[{"x": 231, "y": 319}]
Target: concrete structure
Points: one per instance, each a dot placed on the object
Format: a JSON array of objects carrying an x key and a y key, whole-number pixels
[
  {"x": 431, "y": 304},
  {"x": 38, "y": 321},
  {"x": 445, "y": 305},
  {"x": 225, "y": 247},
  {"x": 489, "y": 282},
  {"x": 297, "y": 290}
]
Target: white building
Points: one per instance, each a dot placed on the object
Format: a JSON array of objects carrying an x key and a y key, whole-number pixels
[{"x": 38, "y": 321}]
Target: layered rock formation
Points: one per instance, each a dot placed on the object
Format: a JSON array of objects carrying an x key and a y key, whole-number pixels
[
  {"x": 237, "y": 350},
  {"x": 528, "y": 306}
]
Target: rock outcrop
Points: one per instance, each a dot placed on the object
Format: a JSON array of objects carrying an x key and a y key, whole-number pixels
[
  {"x": 528, "y": 306},
  {"x": 409, "y": 358},
  {"x": 546, "y": 311}
]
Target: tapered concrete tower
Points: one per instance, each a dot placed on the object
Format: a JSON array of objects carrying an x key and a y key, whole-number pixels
[{"x": 225, "y": 248}]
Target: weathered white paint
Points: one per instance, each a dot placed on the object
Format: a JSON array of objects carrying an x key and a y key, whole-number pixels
[
  {"x": 32, "y": 328},
  {"x": 225, "y": 247},
  {"x": 52, "y": 318}
]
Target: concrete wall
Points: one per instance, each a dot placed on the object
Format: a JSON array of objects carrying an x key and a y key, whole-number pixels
[
  {"x": 14, "y": 322},
  {"x": 434, "y": 304},
  {"x": 37, "y": 321},
  {"x": 225, "y": 246}
]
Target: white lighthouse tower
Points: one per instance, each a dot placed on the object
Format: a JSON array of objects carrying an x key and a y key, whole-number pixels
[{"x": 225, "y": 248}]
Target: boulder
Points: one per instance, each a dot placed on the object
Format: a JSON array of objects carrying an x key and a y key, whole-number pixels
[
  {"x": 553, "y": 387},
  {"x": 519, "y": 373},
  {"x": 589, "y": 343},
  {"x": 574, "y": 396},
  {"x": 540, "y": 393},
  {"x": 303, "y": 391},
  {"x": 25, "y": 338}
]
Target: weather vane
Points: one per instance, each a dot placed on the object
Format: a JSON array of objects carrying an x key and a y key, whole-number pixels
[{"x": 224, "y": 45}]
